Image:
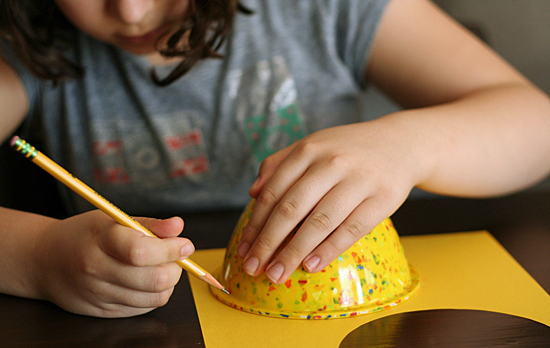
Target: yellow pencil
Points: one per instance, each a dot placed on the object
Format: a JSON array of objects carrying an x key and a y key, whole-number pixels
[{"x": 100, "y": 202}]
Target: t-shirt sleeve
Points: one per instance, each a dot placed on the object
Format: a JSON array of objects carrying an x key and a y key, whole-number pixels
[
  {"x": 30, "y": 82},
  {"x": 356, "y": 27}
]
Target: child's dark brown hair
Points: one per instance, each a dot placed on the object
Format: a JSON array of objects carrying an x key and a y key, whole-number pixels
[{"x": 35, "y": 29}]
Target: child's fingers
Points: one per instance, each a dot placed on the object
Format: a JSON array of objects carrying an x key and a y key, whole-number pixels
[
  {"x": 296, "y": 204},
  {"x": 116, "y": 301},
  {"x": 358, "y": 224},
  {"x": 148, "y": 279},
  {"x": 143, "y": 299},
  {"x": 327, "y": 215},
  {"x": 267, "y": 168},
  {"x": 280, "y": 172},
  {"x": 171, "y": 227},
  {"x": 137, "y": 249}
]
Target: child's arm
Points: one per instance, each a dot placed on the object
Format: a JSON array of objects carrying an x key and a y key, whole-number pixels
[
  {"x": 475, "y": 127},
  {"x": 13, "y": 101},
  {"x": 86, "y": 264},
  {"x": 89, "y": 264}
]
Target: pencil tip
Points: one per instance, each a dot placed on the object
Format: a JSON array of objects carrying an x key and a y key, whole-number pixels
[
  {"x": 227, "y": 292},
  {"x": 212, "y": 281}
]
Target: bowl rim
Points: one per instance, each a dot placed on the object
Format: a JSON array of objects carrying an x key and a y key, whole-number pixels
[{"x": 350, "y": 311}]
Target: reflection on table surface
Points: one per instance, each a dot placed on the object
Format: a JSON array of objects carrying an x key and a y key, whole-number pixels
[
  {"x": 425, "y": 329},
  {"x": 521, "y": 223}
]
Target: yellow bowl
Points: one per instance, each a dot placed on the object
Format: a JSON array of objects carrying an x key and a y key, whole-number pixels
[{"x": 371, "y": 276}]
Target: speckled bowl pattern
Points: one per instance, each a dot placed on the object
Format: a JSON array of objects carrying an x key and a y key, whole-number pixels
[{"x": 371, "y": 276}]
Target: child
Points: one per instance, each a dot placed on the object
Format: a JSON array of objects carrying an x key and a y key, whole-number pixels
[{"x": 172, "y": 105}]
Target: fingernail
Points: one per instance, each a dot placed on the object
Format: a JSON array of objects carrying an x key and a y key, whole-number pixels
[
  {"x": 251, "y": 265},
  {"x": 311, "y": 263},
  {"x": 275, "y": 272},
  {"x": 187, "y": 250},
  {"x": 243, "y": 249}
]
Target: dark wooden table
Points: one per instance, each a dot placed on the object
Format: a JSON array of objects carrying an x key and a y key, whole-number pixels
[{"x": 520, "y": 222}]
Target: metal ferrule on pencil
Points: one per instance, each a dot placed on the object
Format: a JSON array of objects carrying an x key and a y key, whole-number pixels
[{"x": 24, "y": 148}]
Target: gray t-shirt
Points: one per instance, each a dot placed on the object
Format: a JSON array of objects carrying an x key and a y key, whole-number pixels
[{"x": 290, "y": 69}]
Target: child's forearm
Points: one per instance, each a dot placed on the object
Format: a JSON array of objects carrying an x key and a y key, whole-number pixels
[
  {"x": 490, "y": 142},
  {"x": 20, "y": 234},
  {"x": 14, "y": 101}
]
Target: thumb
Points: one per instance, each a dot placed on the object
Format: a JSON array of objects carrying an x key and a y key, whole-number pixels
[{"x": 163, "y": 228}]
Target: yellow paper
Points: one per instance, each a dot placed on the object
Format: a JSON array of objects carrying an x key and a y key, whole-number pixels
[{"x": 457, "y": 271}]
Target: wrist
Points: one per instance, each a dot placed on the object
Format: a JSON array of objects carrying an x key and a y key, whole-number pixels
[
  {"x": 411, "y": 142},
  {"x": 41, "y": 249},
  {"x": 20, "y": 268}
]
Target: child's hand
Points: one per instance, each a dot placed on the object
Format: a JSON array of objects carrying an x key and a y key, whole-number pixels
[
  {"x": 343, "y": 181},
  {"x": 89, "y": 264}
]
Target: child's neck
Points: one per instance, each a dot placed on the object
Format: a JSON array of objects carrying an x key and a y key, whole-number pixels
[{"x": 157, "y": 59}]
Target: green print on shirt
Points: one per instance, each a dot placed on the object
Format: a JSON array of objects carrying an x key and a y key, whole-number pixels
[{"x": 266, "y": 139}]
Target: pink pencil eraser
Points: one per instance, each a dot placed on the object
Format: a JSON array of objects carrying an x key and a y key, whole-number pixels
[{"x": 14, "y": 140}]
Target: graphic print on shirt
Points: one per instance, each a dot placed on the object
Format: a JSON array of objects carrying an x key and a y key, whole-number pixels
[
  {"x": 266, "y": 107},
  {"x": 147, "y": 156}
]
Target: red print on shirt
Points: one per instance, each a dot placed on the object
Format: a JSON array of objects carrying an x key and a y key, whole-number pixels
[
  {"x": 187, "y": 165},
  {"x": 111, "y": 175},
  {"x": 190, "y": 166},
  {"x": 102, "y": 148},
  {"x": 139, "y": 160},
  {"x": 183, "y": 140}
]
